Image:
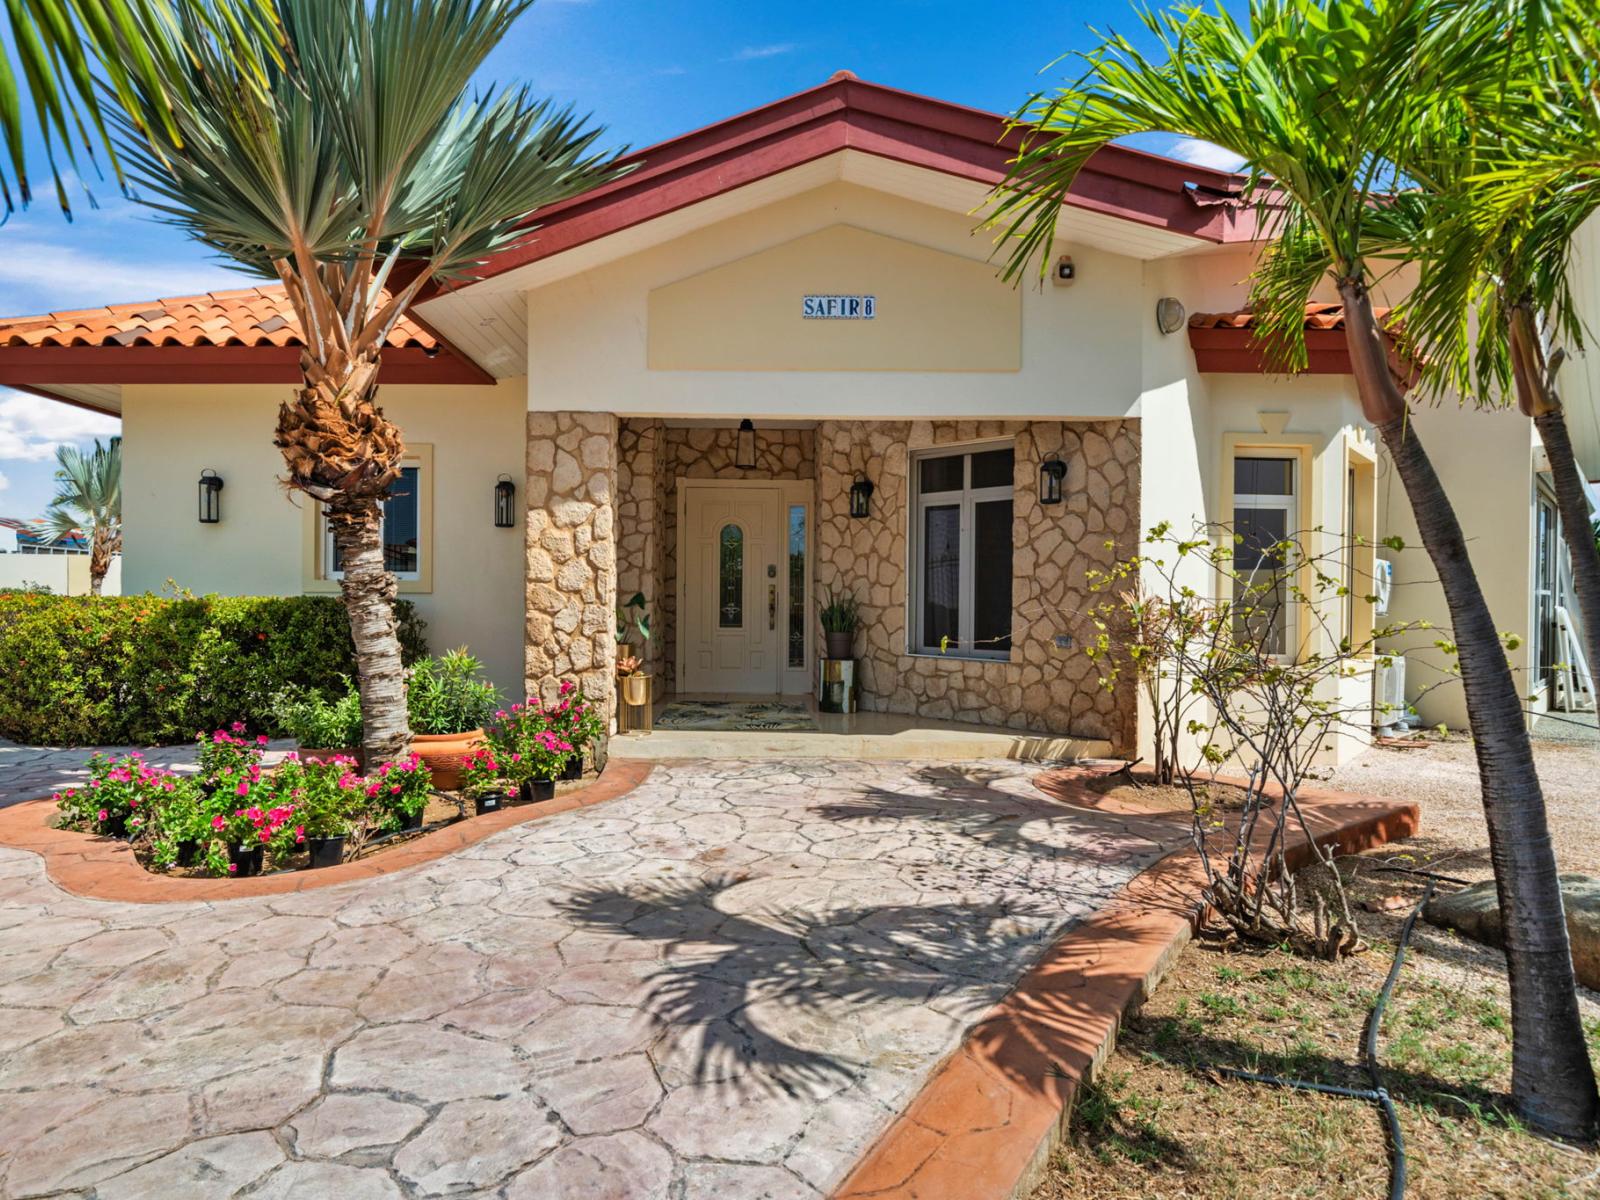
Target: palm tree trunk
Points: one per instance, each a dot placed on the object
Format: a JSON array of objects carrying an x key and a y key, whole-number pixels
[
  {"x": 1552, "y": 1082},
  {"x": 1538, "y": 398},
  {"x": 99, "y": 559},
  {"x": 369, "y": 592}
]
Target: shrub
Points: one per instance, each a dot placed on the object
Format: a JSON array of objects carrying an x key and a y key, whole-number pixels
[
  {"x": 525, "y": 742},
  {"x": 82, "y": 670},
  {"x": 398, "y": 792},
  {"x": 449, "y": 695},
  {"x": 313, "y": 720}
]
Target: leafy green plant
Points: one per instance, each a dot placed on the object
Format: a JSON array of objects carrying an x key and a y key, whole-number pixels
[
  {"x": 324, "y": 796},
  {"x": 841, "y": 613},
  {"x": 398, "y": 792},
  {"x": 311, "y": 719},
  {"x": 633, "y": 618},
  {"x": 448, "y": 694}
]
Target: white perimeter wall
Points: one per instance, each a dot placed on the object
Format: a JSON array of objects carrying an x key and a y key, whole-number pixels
[
  {"x": 171, "y": 432},
  {"x": 63, "y": 574}
]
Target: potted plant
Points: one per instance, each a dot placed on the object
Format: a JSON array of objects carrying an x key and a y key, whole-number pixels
[
  {"x": 635, "y": 684},
  {"x": 252, "y": 832},
  {"x": 229, "y": 756},
  {"x": 632, "y": 618},
  {"x": 841, "y": 617},
  {"x": 179, "y": 824},
  {"x": 482, "y": 780},
  {"x": 323, "y": 728},
  {"x": 576, "y": 720},
  {"x": 120, "y": 799},
  {"x": 398, "y": 793},
  {"x": 323, "y": 794},
  {"x": 448, "y": 702},
  {"x": 530, "y": 754}
]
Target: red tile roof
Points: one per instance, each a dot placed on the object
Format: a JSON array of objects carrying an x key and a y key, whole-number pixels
[
  {"x": 255, "y": 316},
  {"x": 1318, "y": 316}
]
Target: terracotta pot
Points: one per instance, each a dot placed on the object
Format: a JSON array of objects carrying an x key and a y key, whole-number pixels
[
  {"x": 840, "y": 645},
  {"x": 443, "y": 754},
  {"x": 636, "y": 689}
]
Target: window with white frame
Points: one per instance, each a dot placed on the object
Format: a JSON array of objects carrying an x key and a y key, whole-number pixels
[
  {"x": 1265, "y": 512},
  {"x": 402, "y": 524},
  {"x": 961, "y": 552}
]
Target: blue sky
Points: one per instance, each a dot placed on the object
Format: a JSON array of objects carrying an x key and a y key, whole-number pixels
[{"x": 646, "y": 69}]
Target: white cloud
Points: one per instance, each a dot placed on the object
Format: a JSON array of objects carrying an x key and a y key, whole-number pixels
[
  {"x": 4, "y": 482},
  {"x": 751, "y": 53},
  {"x": 73, "y": 278},
  {"x": 1204, "y": 154},
  {"x": 31, "y": 427}
]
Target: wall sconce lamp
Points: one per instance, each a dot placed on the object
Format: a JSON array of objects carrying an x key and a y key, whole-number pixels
[
  {"x": 1051, "y": 472},
  {"x": 860, "y": 497},
  {"x": 505, "y": 494},
  {"x": 210, "y": 497},
  {"x": 744, "y": 452}
]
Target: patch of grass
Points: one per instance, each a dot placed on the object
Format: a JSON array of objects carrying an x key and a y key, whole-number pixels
[{"x": 1161, "y": 1124}]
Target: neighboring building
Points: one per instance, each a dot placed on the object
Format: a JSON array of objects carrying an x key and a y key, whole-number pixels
[
  {"x": 813, "y": 267},
  {"x": 33, "y": 557}
]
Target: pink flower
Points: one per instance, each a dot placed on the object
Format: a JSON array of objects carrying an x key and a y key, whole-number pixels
[
  {"x": 265, "y": 835},
  {"x": 261, "y": 739},
  {"x": 237, "y": 727},
  {"x": 243, "y": 789},
  {"x": 299, "y": 834},
  {"x": 253, "y": 813},
  {"x": 217, "y": 822},
  {"x": 233, "y": 868},
  {"x": 567, "y": 686},
  {"x": 394, "y": 787},
  {"x": 103, "y": 814}
]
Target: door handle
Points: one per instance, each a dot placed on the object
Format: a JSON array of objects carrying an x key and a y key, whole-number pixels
[{"x": 772, "y": 606}]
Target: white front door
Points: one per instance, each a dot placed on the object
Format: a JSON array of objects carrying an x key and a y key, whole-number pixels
[{"x": 730, "y": 547}]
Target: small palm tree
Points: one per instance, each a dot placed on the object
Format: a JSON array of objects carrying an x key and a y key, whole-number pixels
[
  {"x": 356, "y": 172},
  {"x": 1323, "y": 100},
  {"x": 89, "y": 498},
  {"x": 1507, "y": 186}
]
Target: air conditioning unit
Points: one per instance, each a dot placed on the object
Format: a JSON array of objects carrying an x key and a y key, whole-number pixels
[
  {"x": 1389, "y": 698},
  {"x": 1383, "y": 581}
]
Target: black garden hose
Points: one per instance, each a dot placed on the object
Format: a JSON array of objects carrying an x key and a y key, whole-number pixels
[{"x": 1377, "y": 1094}]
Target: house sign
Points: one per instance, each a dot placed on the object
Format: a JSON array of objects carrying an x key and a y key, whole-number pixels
[{"x": 839, "y": 308}]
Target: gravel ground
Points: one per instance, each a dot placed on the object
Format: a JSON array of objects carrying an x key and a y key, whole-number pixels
[{"x": 1442, "y": 777}]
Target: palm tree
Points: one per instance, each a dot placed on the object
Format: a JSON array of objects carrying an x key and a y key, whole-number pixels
[
  {"x": 71, "y": 55},
  {"x": 89, "y": 498},
  {"x": 1506, "y": 188},
  {"x": 1321, "y": 99},
  {"x": 357, "y": 172}
]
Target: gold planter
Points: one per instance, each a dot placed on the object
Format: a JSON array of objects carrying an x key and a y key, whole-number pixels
[{"x": 636, "y": 689}]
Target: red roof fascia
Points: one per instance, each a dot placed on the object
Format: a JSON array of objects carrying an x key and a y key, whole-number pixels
[
  {"x": 41, "y": 366},
  {"x": 846, "y": 113},
  {"x": 1236, "y": 351}
]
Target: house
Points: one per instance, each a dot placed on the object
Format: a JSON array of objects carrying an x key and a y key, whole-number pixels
[{"x": 775, "y": 359}]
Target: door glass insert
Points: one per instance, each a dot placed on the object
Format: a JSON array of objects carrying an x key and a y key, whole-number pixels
[
  {"x": 797, "y": 585},
  {"x": 730, "y": 578}
]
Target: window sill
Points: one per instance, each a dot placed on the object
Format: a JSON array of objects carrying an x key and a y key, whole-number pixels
[{"x": 958, "y": 656}]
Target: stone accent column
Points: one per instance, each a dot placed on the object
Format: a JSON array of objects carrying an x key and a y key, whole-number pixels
[
  {"x": 572, "y": 554},
  {"x": 638, "y": 555}
]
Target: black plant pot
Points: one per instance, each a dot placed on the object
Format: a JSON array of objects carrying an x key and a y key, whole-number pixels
[
  {"x": 531, "y": 791},
  {"x": 574, "y": 768},
  {"x": 114, "y": 827},
  {"x": 247, "y": 860},
  {"x": 488, "y": 802},
  {"x": 411, "y": 823},
  {"x": 188, "y": 852},
  {"x": 326, "y": 851}
]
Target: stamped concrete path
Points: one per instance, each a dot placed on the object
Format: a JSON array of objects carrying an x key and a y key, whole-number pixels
[{"x": 724, "y": 984}]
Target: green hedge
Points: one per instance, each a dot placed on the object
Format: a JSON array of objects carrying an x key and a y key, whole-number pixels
[{"x": 85, "y": 670}]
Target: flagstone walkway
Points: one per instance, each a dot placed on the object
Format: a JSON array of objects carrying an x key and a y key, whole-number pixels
[
  {"x": 723, "y": 984},
  {"x": 28, "y": 772}
]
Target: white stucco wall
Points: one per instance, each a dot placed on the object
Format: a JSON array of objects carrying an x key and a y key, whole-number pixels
[{"x": 170, "y": 433}]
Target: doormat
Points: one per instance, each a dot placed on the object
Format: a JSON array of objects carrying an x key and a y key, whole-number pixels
[{"x": 749, "y": 716}]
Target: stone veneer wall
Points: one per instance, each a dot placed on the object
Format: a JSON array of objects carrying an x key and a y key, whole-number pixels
[
  {"x": 1042, "y": 688},
  {"x": 653, "y": 458},
  {"x": 571, "y": 553}
]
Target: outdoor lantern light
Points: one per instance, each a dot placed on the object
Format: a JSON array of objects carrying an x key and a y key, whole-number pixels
[
  {"x": 744, "y": 454},
  {"x": 860, "y": 497},
  {"x": 210, "y": 497},
  {"x": 1051, "y": 472},
  {"x": 505, "y": 493}
]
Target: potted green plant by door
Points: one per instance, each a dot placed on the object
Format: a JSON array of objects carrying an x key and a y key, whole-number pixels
[
  {"x": 841, "y": 617},
  {"x": 633, "y": 619},
  {"x": 449, "y": 703}
]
